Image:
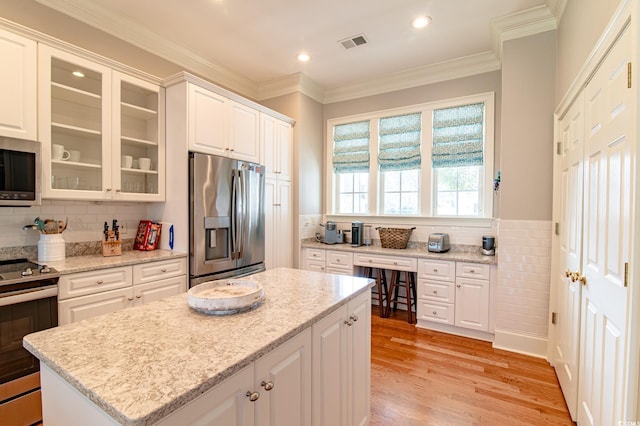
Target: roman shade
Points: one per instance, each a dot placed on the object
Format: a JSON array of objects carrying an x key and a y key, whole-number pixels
[
  {"x": 458, "y": 136},
  {"x": 351, "y": 147},
  {"x": 399, "y": 142}
]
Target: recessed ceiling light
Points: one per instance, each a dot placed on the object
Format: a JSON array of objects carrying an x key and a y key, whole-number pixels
[
  {"x": 78, "y": 74},
  {"x": 421, "y": 21},
  {"x": 304, "y": 57}
]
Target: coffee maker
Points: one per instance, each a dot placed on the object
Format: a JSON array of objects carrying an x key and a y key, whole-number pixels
[
  {"x": 488, "y": 245},
  {"x": 331, "y": 233},
  {"x": 357, "y": 233}
]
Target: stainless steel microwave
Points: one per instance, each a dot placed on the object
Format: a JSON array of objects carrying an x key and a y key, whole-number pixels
[{"x": 19, "y": 172}]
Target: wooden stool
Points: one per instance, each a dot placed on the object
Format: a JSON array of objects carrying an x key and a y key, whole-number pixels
[
  {"x": 410, "y": 289},
  {"x": 381, "y": 287}
]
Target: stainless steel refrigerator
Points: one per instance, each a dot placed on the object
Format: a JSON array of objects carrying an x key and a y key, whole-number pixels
[{"x": 226, "y": 206}]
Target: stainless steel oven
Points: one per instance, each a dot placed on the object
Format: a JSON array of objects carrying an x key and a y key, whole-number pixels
[{"x": 28, "y": 303}]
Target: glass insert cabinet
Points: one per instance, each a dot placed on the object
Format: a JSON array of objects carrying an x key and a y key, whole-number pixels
[{"x": 102, "y": 131}]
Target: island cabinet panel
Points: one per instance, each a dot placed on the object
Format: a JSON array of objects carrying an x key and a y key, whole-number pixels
[
  {"x": 283, "y": 378},
  {"x": 341, "y": 365},
  {"x": 226, "y": 404}
]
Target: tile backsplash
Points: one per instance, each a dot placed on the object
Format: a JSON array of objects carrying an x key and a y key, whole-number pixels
[{"x": 85, "y": 222}]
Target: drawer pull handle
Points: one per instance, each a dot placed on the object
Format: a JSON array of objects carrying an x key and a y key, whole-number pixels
[
  {"x": 435, "y": 313},
  {"x": 370, "y": 261},
  {"x": 163, "y": 270},
  {"x": 395, "y": 263},
  {"x": 338, "y": 260},
  {"x": 99, "y": 282},
  {"x": 130, "y": 299},
  {"x": 435, "y": 291},
  {"x": 435, "y": 270},
  {"x": 267, "y": 385},
  {"x": 473, "y": 271},
  {"x": 138, "y": 296},
  {"x": 458, "y": 286}
]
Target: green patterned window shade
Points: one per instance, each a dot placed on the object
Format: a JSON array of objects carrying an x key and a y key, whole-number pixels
[
  {"x": 351, "y": 147},
  {"x": 399, "y": 145},
  {"x": 458, "y": 136}
]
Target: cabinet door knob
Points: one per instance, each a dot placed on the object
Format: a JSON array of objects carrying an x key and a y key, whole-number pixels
[
  {"x": 108, "y": 189},
  {"x": 130, "y": 299},
  {"x": 458, "y": 285},
  {"x": 354, "y": 318},
  {"x": 99, "y": 282},
  {"x": 253, "y": 396},
  {"x": 138, "y": 296},
  {"x": 370, "y": 261},
  {"x": 267, "y": 385},
  {"x": 163, "y": 270},
  {"x": 118, "y": 190},
  {"x": 435, "y": 313},
  {"x": 338, "y": 260},
  {"x": 349, "y": 323},
  {"x": 395, "y": 263}
]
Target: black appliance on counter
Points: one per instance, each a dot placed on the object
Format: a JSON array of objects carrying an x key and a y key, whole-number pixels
[{"x": 28, "y": 303}]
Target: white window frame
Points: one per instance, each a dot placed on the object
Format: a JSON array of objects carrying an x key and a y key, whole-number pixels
[{"x": 427, "y": 195}]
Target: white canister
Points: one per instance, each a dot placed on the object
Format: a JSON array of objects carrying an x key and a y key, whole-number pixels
[{"x": 51, "y": 247}]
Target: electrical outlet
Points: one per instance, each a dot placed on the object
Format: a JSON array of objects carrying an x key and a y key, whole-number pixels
[{"x": 123, "y": 228}]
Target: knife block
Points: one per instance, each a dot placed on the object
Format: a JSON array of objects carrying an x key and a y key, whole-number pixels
[{"x": 111, "y": 247}]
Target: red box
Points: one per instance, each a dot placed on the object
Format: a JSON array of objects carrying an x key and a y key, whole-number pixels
[{"x": 148, "y": 235}]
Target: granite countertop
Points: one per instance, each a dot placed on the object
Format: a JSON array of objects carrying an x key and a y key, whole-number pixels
[
  {"x": 459, "y": 253},
  {"x": 142, "y": 363},
  {"x": 74, "y": 264}
]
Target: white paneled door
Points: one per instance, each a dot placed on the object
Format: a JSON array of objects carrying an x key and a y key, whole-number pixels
[
  {"x": 607, "y": 233},
  {"x": 567, "y": 331}
]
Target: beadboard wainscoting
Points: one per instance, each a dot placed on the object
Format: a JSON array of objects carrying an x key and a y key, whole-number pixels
[{"x": 522, "y": 300}]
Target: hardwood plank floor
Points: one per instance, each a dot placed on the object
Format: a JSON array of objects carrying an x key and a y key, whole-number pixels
[{"x": 422, "y": 377}]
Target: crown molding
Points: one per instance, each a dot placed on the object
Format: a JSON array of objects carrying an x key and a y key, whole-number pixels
[
  {"x": 298, "y": 82},
  {"x": 521, "y": 24},
  {"x": 557, "y": 8},
  {"x": 127, "y": 30},
  {"x": 435, "y": 73}
]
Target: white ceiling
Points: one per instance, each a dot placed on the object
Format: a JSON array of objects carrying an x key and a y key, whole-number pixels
[{"x": 245, "y": 44}]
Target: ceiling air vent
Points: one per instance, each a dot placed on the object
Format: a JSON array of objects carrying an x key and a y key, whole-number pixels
[{"x": 354, "y": 41}]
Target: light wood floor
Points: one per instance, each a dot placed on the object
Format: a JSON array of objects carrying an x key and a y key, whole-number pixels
[{"x": 420, "y": 377}]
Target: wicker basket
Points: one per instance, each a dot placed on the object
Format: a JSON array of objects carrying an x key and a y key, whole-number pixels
[{"x": 394, "y": 238}]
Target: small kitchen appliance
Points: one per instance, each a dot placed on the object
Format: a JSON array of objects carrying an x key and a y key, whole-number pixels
[
  {"x": 357, "y": 233},
  {"x": 438, "y": 243},
  {"x": 331, "y": 233},
  {"x": 488, "y": 245}
]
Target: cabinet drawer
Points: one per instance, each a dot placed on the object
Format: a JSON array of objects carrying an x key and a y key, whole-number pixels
[
  {"x": 340, "y": 259},
  {"x": 84, "y": 283},
  {"x": 436, "y": 312},
  {"x": 386, "y": 262},
  {"x": 440, "y": 270},
  {"x": 81, "y": 308},
  {"x": 311, "y": 265},
  {"x": 154, "y": 271},
  {"x": 473, "y": 270},
  {"x": 314, "y": 254},
  {"x": 338, "y": 270},
  {"x": 437, "y": 291}
]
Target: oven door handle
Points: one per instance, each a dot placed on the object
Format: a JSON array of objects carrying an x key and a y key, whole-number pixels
[{"x": 28, "y": 295}]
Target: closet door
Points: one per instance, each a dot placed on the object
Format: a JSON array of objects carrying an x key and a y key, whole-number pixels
[
  {"x": 607, "y": 233},
  {"x": 567, "y": 330}
]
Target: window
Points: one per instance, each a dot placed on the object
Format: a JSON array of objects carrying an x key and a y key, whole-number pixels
[
  {"x": 457, "y": 157},
  {"x": 399, "y": 162},
  {"x": 432, "y": 159},
  {"x": 351, "y": 160}
]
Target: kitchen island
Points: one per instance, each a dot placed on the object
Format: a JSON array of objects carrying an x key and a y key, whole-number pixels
[{"x": 139, "y": 365}]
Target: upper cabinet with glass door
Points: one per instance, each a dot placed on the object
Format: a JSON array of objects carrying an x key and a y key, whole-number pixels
[
  {"x": 90, "y": 117},
  {"x": 75, "y": 125},
  {"x": 138, "y": 153}
]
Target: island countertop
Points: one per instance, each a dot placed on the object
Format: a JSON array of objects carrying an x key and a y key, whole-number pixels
[{"x": 142, "y": 363}]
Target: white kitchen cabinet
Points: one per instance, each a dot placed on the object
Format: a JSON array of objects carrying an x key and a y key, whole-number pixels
[
  {"x": 18, "y": 109},
  {"x": 220, "y": 126},
  {"x": 225, "y": 404},
  {"x": 273, "y": 390},
  {"x": 98, "y": 115},
  {"x": 454, "y": 297},
  {"x": 283, "y": 378},
  {"x": 88, "y": 294},
  {"x": 278, "y": 223},
  {"x": 277, "y": 142},
  {"x": 342, "y": 345}
]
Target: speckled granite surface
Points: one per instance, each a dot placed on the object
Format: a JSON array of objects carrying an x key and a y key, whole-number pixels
[
  {"x": 459, "y": 253},
  {"x": 97, "y": 261},
  {"x": 140, "y": 364}
]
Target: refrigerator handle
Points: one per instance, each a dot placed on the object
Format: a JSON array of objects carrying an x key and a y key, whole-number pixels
[
  {"x": 235, "y": 184},
  {"x": 244, "y": 217}
]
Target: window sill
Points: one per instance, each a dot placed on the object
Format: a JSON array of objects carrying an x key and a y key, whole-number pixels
[{"x": 416, "y": 220}]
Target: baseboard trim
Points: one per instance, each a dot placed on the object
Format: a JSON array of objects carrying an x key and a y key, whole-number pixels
[
  {"x": 458, "y": 331},
  {"x": 520, "y": 343}
]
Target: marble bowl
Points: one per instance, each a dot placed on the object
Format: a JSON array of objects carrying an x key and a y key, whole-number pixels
[{"x": 224, "y": 297}]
